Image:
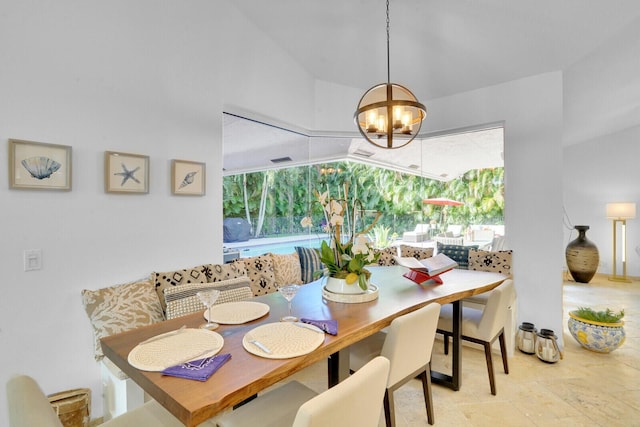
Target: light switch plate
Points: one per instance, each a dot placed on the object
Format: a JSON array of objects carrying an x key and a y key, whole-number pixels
[{"x": 32, "y": 259}]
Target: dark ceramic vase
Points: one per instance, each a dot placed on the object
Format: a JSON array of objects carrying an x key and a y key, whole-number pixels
[{"x": 582, "y": 256}]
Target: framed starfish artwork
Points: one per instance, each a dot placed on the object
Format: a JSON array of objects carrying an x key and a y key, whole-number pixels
[
  {"x": 126, "y": 173},
  {"x": 188, "y": 178}
]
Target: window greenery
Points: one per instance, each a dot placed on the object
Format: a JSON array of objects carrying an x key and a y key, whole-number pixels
[{"x": 274, "y": 201}]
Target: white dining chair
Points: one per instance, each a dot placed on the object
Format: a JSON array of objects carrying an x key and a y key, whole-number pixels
[
  {"x": 407, "y": 343},
  {"x": 483, "y": 325},
  {"x": 355, "y": 402},
  {"x": 29, "y": 407}
]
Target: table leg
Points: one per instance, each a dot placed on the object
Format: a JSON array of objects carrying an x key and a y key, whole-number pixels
[
  {"x": 338, "y": 367},
  {"x": 453, "y": 381}
]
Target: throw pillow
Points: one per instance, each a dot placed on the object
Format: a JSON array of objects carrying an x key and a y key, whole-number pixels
[
  {"x": 199, "y": 274},
  {"x": 120, "y": 308},
  {"x": 497, "y": 261},
  {"x": 458, "y": 253},
  {"x": 226, "y": 271},
  {"x": 182, "y": 300},
  {"x": 416, "y": 252},
  {"x": 386, "y": 255},
  {"x": 287, "y": 269},
  {"x": 309, "y": 263},
  {"x": 260, "y": 271}
]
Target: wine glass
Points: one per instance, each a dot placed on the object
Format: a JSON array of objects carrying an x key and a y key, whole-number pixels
[
  {"x": 288, "y": 292},
  {"x": 209, "y": 298}
]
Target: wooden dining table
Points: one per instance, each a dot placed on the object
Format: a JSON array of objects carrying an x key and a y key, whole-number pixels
[{"x": 245, "y": 374}]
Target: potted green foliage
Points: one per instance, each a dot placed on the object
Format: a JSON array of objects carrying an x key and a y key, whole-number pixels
[{"x": 599, "y": 331}]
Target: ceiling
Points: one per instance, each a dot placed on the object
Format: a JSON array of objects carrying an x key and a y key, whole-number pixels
[{"x": 437, "y": 48}]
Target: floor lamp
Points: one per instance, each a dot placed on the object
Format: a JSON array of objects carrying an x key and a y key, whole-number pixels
[{"x": 620, "y": 213}]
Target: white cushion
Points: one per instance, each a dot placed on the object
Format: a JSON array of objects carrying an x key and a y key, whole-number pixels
[
  {"x": 149, "y": 414},
  {"x": 27, "y": 404},
  {"x": 275, "y": 408}
]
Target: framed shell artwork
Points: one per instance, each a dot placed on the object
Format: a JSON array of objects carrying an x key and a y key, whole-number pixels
[
  {"x": 39, "y": 166},
  {"x": 126, "y": 173},
  {"x": 188, "y": 178}
]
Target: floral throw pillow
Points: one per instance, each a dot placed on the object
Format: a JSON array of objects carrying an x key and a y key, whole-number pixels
[
  {"x": 121, "y": 308},
  {"x": 497, "y": 262}
]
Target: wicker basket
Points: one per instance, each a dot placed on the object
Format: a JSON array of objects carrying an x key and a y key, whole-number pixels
[{"x": 72, "y": 406}]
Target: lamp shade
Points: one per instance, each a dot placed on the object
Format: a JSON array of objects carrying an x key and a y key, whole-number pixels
[{"x": 621, "y": 210}]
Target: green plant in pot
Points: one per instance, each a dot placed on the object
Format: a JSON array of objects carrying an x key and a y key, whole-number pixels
[{"x": 599, "y": 331}]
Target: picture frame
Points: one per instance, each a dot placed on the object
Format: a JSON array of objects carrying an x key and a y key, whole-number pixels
[
  {"x": 188, "y": 178},
  {"x": 126, "y": 173},
  {"x": 39, "y": 166}
]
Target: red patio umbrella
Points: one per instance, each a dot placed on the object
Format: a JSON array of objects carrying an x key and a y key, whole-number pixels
[{"x": 442, "y": 202}]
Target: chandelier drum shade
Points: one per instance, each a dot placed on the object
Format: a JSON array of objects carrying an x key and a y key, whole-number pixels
[{"x": 388, "y": 114}]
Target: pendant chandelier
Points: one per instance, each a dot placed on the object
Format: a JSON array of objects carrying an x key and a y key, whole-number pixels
[{"x": 388, "y": 114}]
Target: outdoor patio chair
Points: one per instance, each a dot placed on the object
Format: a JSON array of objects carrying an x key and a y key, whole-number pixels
[
  {"x": 483, "y": 235},
  {"x": 419, "y": 234}
]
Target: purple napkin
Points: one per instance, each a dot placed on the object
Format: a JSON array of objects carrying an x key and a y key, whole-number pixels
[
  {"x": 200, "y": 369},
  {"x": 329, "y": 326}
]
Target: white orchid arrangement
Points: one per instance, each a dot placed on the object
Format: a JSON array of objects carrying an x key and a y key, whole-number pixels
[{"x": 344, "y": 260}]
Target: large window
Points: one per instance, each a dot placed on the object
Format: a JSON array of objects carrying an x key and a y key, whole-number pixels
[{"x": 272, "y": 176}]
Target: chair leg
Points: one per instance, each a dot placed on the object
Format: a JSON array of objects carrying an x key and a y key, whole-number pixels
[
  {"x": 426, "y": 388},
  {"x": 389, "y": 409},
  {"x": 487, "y": 354},
  {"x": 503, "y": 350}
]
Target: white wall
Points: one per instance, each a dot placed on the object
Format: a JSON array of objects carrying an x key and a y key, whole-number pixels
[
  {"x": 142, "y": 77},
  {"x": 602, "y": 89},
  {"x": 126, "y": 76},
  {"x": 260, "y": 78},
  {"x": 531, "y": 109},
  {"x": 598, "y": 172},
  {"x": 152, "y": 78},
  {"x": 602, "y": 114}
]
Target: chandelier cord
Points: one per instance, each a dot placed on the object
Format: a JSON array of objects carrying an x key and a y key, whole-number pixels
[{"x": 388, "y": 60}]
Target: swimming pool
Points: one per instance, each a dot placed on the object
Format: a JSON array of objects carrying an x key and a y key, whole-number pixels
[{"x": 276, "y": 245}]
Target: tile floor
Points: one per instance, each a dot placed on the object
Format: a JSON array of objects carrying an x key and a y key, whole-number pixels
[{"x": 583, "y": 389}]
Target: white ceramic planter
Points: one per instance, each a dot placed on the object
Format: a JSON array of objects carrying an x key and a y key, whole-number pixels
[{"x": 340, "y": 286}]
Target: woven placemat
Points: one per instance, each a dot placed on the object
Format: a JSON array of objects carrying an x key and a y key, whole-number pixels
[
  {"x": 235, "y": 313},
  {"x": 185, "y": 345},
  {"x": 284, "y": 339}
]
